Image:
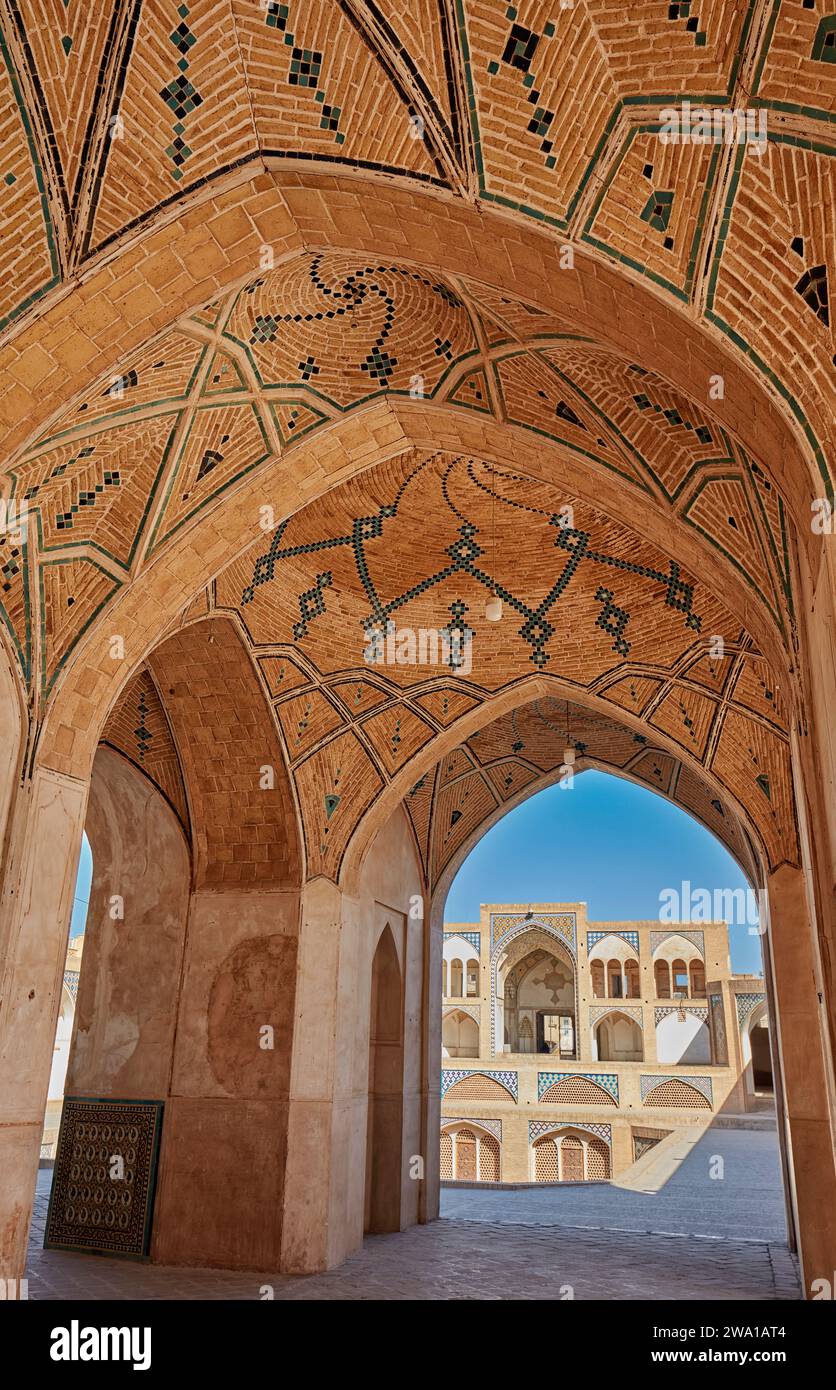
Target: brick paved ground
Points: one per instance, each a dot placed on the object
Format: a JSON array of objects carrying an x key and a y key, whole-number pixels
[
  {"x": 454, "y": 1259},
  {"x": 746, "y": 1204}
]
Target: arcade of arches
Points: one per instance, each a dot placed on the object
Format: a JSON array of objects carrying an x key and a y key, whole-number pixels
[
  {"x": 320, "y": 331},
  {"x": 571, "y": 1042}
]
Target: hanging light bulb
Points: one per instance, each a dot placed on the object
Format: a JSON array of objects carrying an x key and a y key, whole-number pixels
[{"x": 493, "y": 608}]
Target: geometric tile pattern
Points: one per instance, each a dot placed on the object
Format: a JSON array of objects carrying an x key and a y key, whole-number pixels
[
  {"x": 139, "y": 728},
  {"x": 538, "y": 1127},
  {"x": 71, "y": 981},
  {"x": 593, "y": 937},
  {"x": 563, "y": 925},
  {"x": 494, "y": 1127},
  {"x": 745, "y": 1004},
  {"x": 174, "y": 426},
  {"x": 607, "y": 1080},
  {"x": 474, "y": 937},
  {"x": 105, "y": 1175},
  {"x": 506, "y": 1079}
]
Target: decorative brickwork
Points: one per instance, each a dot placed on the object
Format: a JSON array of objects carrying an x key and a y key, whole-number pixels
[
  {"x": 564, "y": 1088},
  {"x": 480, "y": 1085},
  {"x": 631, "y": 937},
  {"x": 493, "y": 1126},
  {"x": 694, "y": 1093}
]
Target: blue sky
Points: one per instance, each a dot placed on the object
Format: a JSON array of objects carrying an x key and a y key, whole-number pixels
[
  {"x": 605, "y": 842},
  {"x": 82, "y": 889}
]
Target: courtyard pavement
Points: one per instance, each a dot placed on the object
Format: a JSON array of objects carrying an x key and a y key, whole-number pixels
[
  {"x": 531, "y": 1244},
  {"x": 747, "y": 1203}
]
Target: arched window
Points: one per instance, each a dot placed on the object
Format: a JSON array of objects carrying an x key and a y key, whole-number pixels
[
  {"x": 473, "y": 979},
  {"x": 619, "y": 1039},
  {"x": 596, "y": 970},
  {"x": 614, "y": 989},
  {"x": 662, "y": 976},
  {"x": 631, "y": 970},
  {"x": 459, "y": 1034},
  {"x": 697, "y": 979},
  {"x": 456, "y": 982},
  {"x": 679, "y": 972}
]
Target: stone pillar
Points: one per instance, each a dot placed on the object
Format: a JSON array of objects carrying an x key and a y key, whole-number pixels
[
  {"x": 328, "y": 1138},
  {"x": 44, "y": 843},
  {"x": 224, "y": 1138},
  {"x": 309, "y": 1241},
  {"x": 431, "y": 1082},
  {"x": 806, "y": 1076},
  {"x": 649, "y": 1032}
]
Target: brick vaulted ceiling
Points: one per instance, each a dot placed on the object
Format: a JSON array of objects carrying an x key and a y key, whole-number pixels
[
  {"x": 232, "y": 389},
  {"x": 110, "y": 113},
  {"x": 114, "y": 115},
  {"x": 590, "y": 606}
]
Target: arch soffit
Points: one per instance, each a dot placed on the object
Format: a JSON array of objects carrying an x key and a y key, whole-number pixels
[
  {"x": 289, "y": 212},
  {"x": 527, "y": 938},
  {"x": 521, "y": 694},
  {"x": 478, "y": 718},
  {"x": 442, "y": 885},
  {"x": 448, "y": 1010},
  {"x": 613, "y": 947},
  {"x": 617, "y": 1013},
  {"x": 678, "y": 947},
  {"x": 158, "y": 594}
]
